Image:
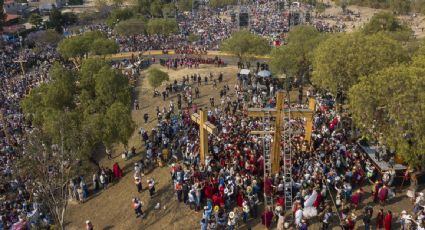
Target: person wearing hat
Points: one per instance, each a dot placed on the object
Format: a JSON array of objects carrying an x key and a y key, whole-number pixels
[
  {"x": 89, "y": 225},
  {"x": 231, "y": 222},
  {"x": 245, "y": 211},
  {"x": 138, "y": 183},
  {"x": 137, "y": 206},
  {"x": 151, "y": 186}
]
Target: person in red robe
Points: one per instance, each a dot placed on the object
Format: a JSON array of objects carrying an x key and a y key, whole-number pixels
[
  {"x": 266, "y": 218},
  {"x": 387, "y": 220},
  {"x": 380, "y": 219},
  {"x": 356, "y": 198},
  {"x": 268, "y": 186},
  {"x": 239, "y": 199},
  {"x": 117, "y": 171},
  {"x": 383, "y": 194}
]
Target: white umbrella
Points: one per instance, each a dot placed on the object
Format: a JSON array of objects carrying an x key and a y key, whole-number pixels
[
  {"x": 264, "y": 73},
  {"x": 244, "y": 71}
]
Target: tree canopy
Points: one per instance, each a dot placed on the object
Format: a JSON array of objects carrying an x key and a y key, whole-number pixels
[
  {"x": 91, "y": 105},
  {"x": 131, "y": 27},
  {"x": 91, "y": 42},
  {"x": 389, "y": 105},
  {"x": 296, "y": 57},
  {"x": 162, "y": 26},
  {"x": 156, "y": 77},
  {"x": 245, "y": 45},
  {"x": 119, "y": 15},
  {"x": 340, "y": 60},
  {"x": 388, "y": 23}
]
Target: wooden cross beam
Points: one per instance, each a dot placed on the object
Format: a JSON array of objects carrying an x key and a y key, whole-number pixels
[
  {"x": 278, "y": 113},
  {"x": 21, "y": 61},
  {"x": 205, "y": 127}
]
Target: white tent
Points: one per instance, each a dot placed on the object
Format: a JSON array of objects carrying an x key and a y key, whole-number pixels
[
  {"x": 244, "y": 71},
  {"x": 264, "y": 73}
]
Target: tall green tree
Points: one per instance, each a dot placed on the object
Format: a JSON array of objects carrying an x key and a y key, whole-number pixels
[
  {"x": 162, "y": 26},
  {"x": 184, "y": 5},
  {"x": 119, "y": 125},
  {"x": 389, "y": 106},
  {"x": 84, "y": 105},
  {"x": 386, "y": 22},
  {"x": 131, "y": 27},
  {"x": 295, "y": 58},
  {"x": 245, "y": 45},
  {"x": 156, "y": 77},
  {"x": 119, "y": 15},
  {"x": 340, "y": 60},
  {"x": 78, "y": 47}
]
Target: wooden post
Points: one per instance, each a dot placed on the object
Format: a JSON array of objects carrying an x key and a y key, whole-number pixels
[
  {"x": 309, "y": 119},
  {"x": 275, "y": 157},
  {"x": 205, "y": 127},
  {"x": 203, "y": 141}
]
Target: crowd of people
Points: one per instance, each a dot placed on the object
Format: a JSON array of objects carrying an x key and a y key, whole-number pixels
[
  {"x": 330, "y": 176},
  {"x": 20, "y": 202}
]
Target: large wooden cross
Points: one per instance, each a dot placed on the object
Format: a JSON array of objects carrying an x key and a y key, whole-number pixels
[
  {"x": 21, "y": 62},
  {"x": 205, "y": 127},
  {"x": 279, "y": 113}
]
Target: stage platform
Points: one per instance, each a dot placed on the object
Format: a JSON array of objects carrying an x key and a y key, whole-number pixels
[{"x": 381, "y": 165}]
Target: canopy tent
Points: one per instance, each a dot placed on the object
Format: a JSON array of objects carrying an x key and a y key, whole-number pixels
[
  {"x": 244, "y": 71},
  {"x": 264, "y": 73}
]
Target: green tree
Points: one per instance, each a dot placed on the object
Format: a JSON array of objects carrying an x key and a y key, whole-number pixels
[
  {"x": 340, "y": 60},
  {"x": 119, "y": 125},
  {"x": 130, "y": 27},
  {"x": 222, "y": 3},
  {"x": 119, "y": 15},
  {"x": 246, "y": 45},
  {"x": 162, "y": 26},
  {"x": 35, "y": 19},
  {"x": 169, "y": 10},
  {"x": 388, "y": 23},
  {"x": 389, "y": 106},
  {"x": 111, "y": 86},
  {"x": 295, "y": 58},
  {"x": 156, "y": 77},
  {"x": 143, "y": 7},
  {"x": 80, "y": 46},
  {"x": 156, "y": 8},
  {"x": 400, "y": 6},
  {"x": 83, "y": 106},
  {"x": 103, "y": 47},
  {"x": 184, "y": 5}
]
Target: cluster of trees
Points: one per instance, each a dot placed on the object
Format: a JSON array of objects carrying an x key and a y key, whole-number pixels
[
  {"x": 246, "y": 45},
  {"x": 379, "y": 70},
  {"x": 77, "y": 47},
  {"x": 128, "y": 22},
  {"x": 397, "y": 6},
  {"x": 71, "y": 114}
]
